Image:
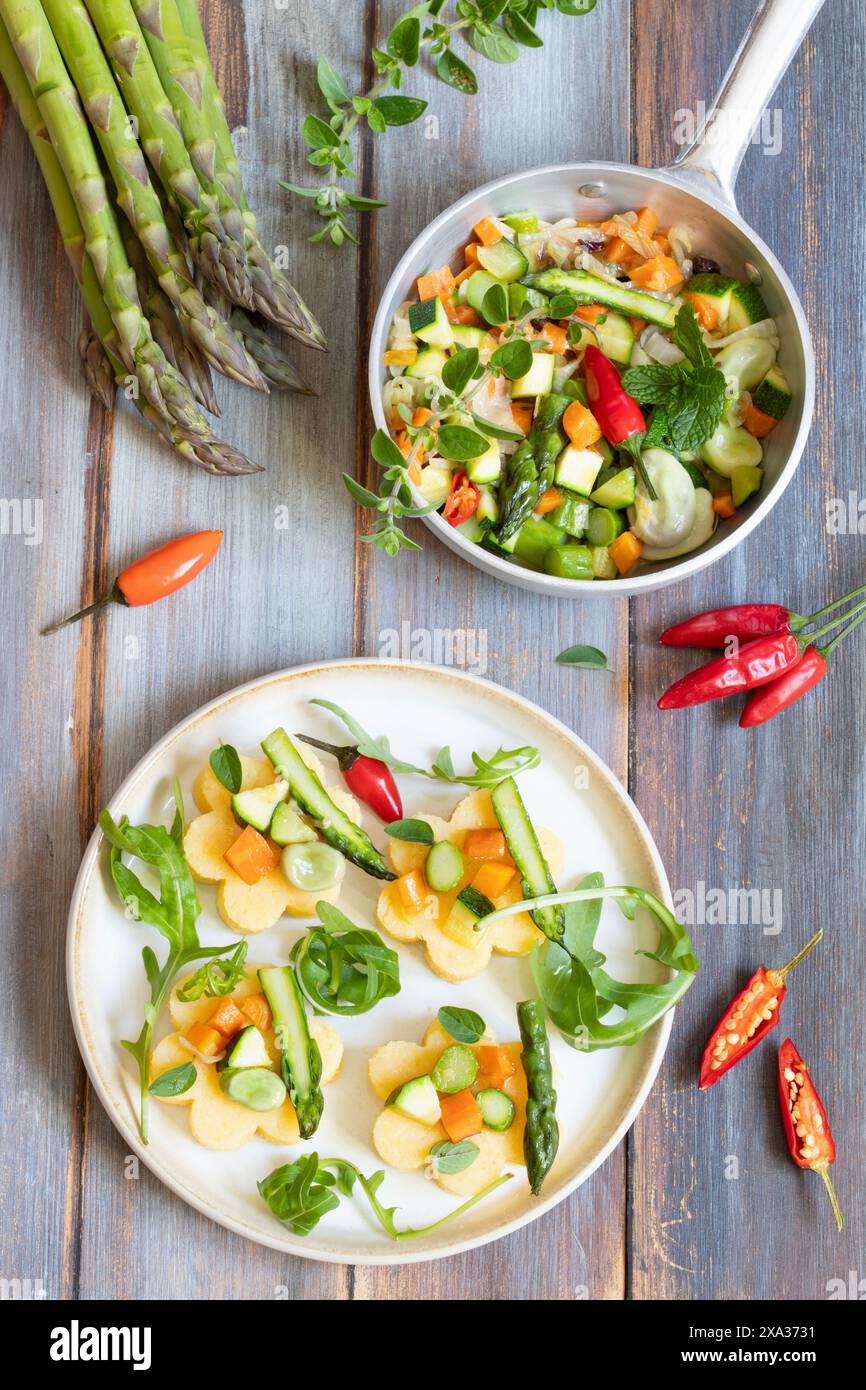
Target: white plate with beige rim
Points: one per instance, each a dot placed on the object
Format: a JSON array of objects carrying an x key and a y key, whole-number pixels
[{"x": 420, "y": 708}]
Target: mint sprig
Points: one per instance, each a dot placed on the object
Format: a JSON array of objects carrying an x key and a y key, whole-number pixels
[{"x": 689, "y": 396}]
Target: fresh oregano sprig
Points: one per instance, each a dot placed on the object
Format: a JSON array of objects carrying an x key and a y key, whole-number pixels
[{"x": 494, "y": 28}]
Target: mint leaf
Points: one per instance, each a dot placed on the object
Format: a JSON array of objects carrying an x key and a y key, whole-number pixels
[{"x": 688, "y": 337}]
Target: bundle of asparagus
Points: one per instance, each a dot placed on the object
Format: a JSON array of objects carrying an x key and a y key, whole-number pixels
[{"x": 173, "y": 274}]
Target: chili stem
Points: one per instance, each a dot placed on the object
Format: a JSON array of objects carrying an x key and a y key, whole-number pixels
[
  {"x": 822, "y": 612},
  {"x": 809, "y": 946},
  {"x": 825, "y": 651},
  {"x": 112, "y": 597},
  {"x": 834, "y": 622},
  {"x": 632, "y": 448},
  {"x": 834, "y": 1200}
]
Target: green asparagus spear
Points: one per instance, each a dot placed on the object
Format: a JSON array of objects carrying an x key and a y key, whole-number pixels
[
  {"x": 216, "y": 249},
  {"x": 198, "y": 446},
  {"x": 136, "y": 196},
  {"x": 275, "y": 297},
  {"x": 98, "y": 371},
  {"x": 541, "y": 1132},
  {"x": 531, "y": 469}
]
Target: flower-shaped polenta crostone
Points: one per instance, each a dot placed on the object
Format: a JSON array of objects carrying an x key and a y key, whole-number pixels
[
  {"x": 248, "y": 908},
  {"x": 514, "y": 936},
  {"x": 215, "y": 1120},
  {"x": 405, "y": 1143}
]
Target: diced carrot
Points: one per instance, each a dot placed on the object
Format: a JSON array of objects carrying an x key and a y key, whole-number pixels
[
  {"x": 647, "y": 221},
  {"x": 421, "y": 415},
  {"x": 465, "y": 273},
  {"x": 493, "y": 879},
  {"x": 556, "y": 336},
  {"x": 625, "y": 551},
  {"x": 411, "y": 888},
  {"x": 415, "y": 471},
  {"x": 251, "y": 857},
  {"x": 397, "y": 420},
  {"x": 400, "y": 357},
  {"x": 617, "y": 251},
  {"x": 227, "y": 1018},
  {"x": 497, "y": 1065},
  {"x": 591, "y": 313},
  {"x": 461, "y": 313},
  {"x": 487, "y": 232},
  {"x": 637, "y": 326},
  {"x": 723, "y": 505},
  {"x": 658, "y": 273},
  {"x": 549, "y": 501},
  {"x": 461, "y": 1116},
  {"x": 438, "y": 283},
  {"x": 470, "y": 255},
  {"x": 522, "y": 413},
  {"x": 404, "y": 444},
  {"x": 661, "y": 241},
  {"x": 255, "y": 1009},
  {"x": 757, "y": 423},
  {"x": 581, "y": 425},
  {"x": 485, "y": 844},
  {"x": 705, "y": 311},
  {"x": 205, "y": 1039}
]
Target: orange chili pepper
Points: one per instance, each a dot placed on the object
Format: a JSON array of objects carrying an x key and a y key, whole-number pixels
[{"x": 156, "y": 575}]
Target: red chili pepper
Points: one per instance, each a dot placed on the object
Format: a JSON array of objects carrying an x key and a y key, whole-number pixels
[
  {"x": 807, "y": 1129},
  {"x": 754, "y": 664},
  {"x": 717, "y": 626},
  {"x": 156, "y": 575},
  {"x": 462, "y": 500},
  {"x": 774, "y": 698},
  {"x": 370, "y": 780},
  {"x": 619, "y": 416},
  {"x": 748, "y": 1018}
]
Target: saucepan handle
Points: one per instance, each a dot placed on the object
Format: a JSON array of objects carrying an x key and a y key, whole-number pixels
[{"x": 758, "y": 66}]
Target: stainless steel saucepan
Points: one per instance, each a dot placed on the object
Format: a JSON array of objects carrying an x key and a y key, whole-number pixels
[{"x": 697, "y": 190}]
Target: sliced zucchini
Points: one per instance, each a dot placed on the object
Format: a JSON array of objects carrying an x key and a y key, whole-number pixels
[
  {"x": 333, "y": 824},
  {"x": 429, "y": 322},
  {"x": 417, "y": 1100},
  {"x": 615, "y": 337},
  {"x": 591, "y": 289},
  {"x": 577, "y": 469},
  {"x": 521, "y": 298},
  {"x": 455, "y": 1071},
  {"x": 773, "y": 396},
  {"x": 300, "y": 1059},
  {"x": 523, "y": 221},
  {"x": 487, "y": 467},
  {"x": 467, "y": 910},
  {"x": 477, "y": 288},
  {"x": 503, "y": 260},
  {"x": 467, "y": 335},
  {"x": 744, "y": 482},
  {"x": 715, "y": 291},
  {"x": 538, "y": 381},
  {"x": 428, "y": 363},
  {"x": 617, "y": 491},
  {"x": 747, "y": 306},
  {"x": 288, "y": 828},
  {"x": 257, "y": 806},
  {"x": 497, "y": 1109},
  {"x": 444, "y": 867},
  {"x": 471, "y": 530},
  {"x": 523, "y": 846},
  {"x": 488, "y": 506},
  {"x": 248, "y": 1049}
]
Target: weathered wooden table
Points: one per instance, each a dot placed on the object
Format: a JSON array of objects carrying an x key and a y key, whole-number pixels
[{"x": 700, "y": 1201}]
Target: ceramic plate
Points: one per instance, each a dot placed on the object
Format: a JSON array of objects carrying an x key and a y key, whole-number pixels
[{"x": 420, "y": 707}]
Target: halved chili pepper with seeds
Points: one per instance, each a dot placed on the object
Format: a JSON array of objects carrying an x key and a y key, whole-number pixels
[
  {"x": 748, "y": 1018},
  {"x": 807, "y": 1129}
]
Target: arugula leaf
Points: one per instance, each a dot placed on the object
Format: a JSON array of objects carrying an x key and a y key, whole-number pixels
[
  {"x": 369, "y": 746},
  {"x": 344, "y": 969},
  {"x": 173, "y": 914},
  {"x": 464, "y": 1025},
  {"x": 299, "y": 1194}
]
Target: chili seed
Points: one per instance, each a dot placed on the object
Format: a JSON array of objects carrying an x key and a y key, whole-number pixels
[
  {"x": 799, "y": 1078},
  {"x": 789, "y": 1075},
  {"x": 767, "y": 1014},
  {"x": 801, "y": 1131},
  {"x": 772, "y": 1003},
  {"x": 714, "y": 1066},
  {"x": 733, "y": 1038}
]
